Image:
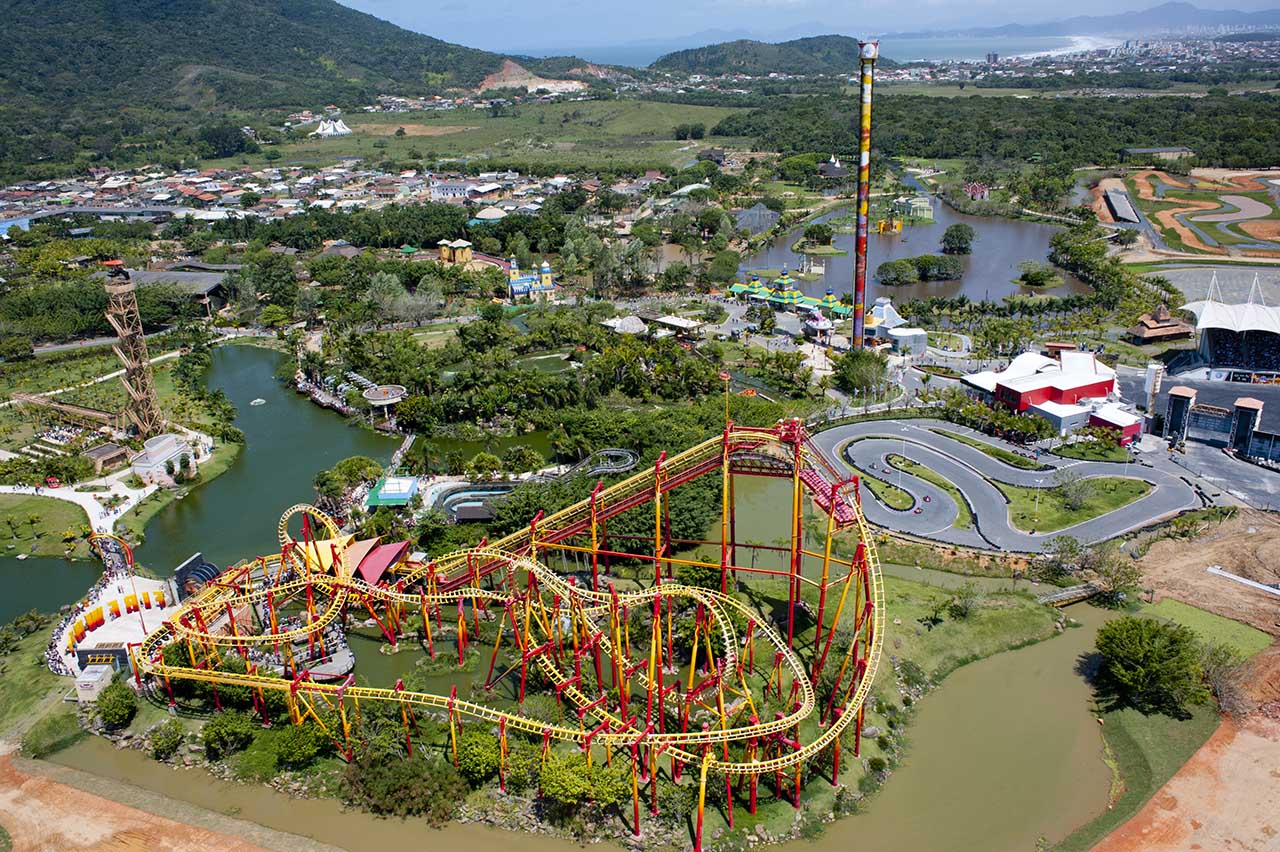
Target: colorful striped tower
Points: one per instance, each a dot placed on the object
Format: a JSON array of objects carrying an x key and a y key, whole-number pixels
[{"x": 868, "y": 52}]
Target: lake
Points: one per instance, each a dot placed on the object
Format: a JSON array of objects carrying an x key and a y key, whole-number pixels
[{"x": 989, "y": 272}]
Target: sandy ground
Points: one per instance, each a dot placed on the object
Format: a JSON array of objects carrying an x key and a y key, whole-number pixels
[
  {"x": 1264, "y": 229},
  {"x": 1223, "y": 799},
  {"x": 414, "y": 129},
  {"x": 1189, "y": 237},
  {"x": 41, "y": 814},
  {"x": 513, "y": 75},
  {"x": 1176, "y": 569}
]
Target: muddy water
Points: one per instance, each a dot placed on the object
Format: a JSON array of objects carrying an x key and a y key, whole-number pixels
[
  {"x": 321, "y": 820},
  {"x": 1004, "y": 752}
]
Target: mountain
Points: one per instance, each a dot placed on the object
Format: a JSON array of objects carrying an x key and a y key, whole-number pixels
[
  {"x": 1167, "y": 17},
  {"x": 83, "y": 79},
  {"x": 825, "y": 54}
]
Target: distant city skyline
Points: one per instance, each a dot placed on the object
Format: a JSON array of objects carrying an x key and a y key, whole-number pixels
[{"x": 514, "y": 26}]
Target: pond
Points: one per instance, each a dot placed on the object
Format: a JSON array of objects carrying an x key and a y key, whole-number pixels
[
  {"x": 287, "y": 441},
  {"x": 1001, "y": 244}
]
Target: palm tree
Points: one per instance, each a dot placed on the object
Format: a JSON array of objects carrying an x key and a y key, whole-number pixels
[{"x": 32, "y": 520}]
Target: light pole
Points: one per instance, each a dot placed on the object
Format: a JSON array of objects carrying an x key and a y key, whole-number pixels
[{"x": 1039, "y": 483}]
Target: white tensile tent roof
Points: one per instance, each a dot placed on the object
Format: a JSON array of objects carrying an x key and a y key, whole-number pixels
[{"x": 1252, "y": 315}]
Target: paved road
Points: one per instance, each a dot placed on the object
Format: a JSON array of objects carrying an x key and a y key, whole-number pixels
[{"x": 865, "y": 445}]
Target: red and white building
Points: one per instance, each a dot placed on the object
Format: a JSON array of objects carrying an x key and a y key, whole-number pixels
[{"x": 1071, "y": 391}]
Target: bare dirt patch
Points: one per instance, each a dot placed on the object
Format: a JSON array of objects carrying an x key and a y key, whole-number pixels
[
  {"x": 1189, "y": 238},
  {"x": 513, "y": 75},
  {"x": 1263, "y": 229},
  {"x": 414, "y": 129},
  {"x": 1224, "y": 798},
  {"x": 1142, "y": 180},
  {"x": 41, "y": 814},
  {"x": 1176, "y": 569}
]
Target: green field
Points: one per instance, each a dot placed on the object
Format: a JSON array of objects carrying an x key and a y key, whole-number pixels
[
  {"x": 54, "y": 518},
  {"x": 1092, "y": 451},
  {"x": 1051, "y": 512},
  {"x": 890, "y": 495},
  {"x": 1209, "y": 627},
  {"x": 964, "y": 517},
  {"x": 603, "y": 134},
  {"x": 27, "y": 687}
]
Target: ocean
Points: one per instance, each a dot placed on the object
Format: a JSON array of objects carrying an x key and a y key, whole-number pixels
[{"x": 899, "y": 50}]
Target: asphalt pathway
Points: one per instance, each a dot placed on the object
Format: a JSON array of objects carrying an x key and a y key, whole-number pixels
[{"x": 867, "y": 445}]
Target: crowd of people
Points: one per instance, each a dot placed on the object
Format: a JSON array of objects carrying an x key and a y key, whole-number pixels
[
  {"x": 57, "y": 657},
  {"x": 61, "y": 435}
]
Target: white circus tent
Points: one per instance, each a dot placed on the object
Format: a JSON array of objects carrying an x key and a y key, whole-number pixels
[{"x": 329, "y": 128}]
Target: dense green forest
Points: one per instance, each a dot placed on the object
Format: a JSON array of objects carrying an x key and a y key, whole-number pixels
[
  {"x": 134, "y": 81},
  {"x": 827, "y": 54},
  {"x": 1236, "y": 131}
]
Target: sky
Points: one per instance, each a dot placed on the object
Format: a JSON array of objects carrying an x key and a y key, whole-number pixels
[{"x": 521, "y": 25}]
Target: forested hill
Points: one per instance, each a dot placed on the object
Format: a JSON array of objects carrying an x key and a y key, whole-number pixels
[
  {"x": 826, "y": 54},
  {"x": 79, "y": 75}
]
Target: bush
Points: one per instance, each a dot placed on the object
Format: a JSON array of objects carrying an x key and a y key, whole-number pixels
[
  {"x": 478, "y": 756},
  {"x": 414, "y": 786},
  {"x": 51, "y": 733},
  {"x": 299, "y": 745},
  {"x": 1150, "y": 665},
  {"x": 876, "y": 764},
  {"x": 117, "y": 705},
  {"x": 227, "y": 733},
  {"x": 165, "y": 739}
]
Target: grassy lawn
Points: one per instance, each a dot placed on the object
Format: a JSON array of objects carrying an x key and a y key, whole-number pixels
[
  {"x": 1144, "y": 752},
  {"x": 964, "y": 517},
  {"x": 617, "y": 134},
  {"x": 890, "y": 495},
  {"x": 26, "y": 684},
  {"x": 54, "y": 518},
  {"x": 997, "y": 453},
  {"x": 1092, "y": 451},
  {"x": 56, "y": 370},
  {"x": 1110, "y": 493},
  {"x": 1209, "y": 627}
]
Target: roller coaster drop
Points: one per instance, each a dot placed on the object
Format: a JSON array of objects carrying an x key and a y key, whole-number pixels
[{"x": 627, "y": 691}]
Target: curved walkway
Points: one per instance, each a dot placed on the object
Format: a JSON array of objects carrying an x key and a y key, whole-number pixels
[
  {"x": 101, "y": 518},
  {"x": 972, "y": 471}
]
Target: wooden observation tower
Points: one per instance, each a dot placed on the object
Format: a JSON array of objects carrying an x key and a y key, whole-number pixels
[{"x": 122, "y": 312}]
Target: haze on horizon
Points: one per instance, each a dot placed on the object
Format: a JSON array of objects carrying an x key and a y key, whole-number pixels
[{"x": 514, "y": 26}]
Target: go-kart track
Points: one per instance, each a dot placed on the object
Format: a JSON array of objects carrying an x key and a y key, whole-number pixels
[
  {"x": 748, "y": 704},
  {"x": 867, "y": 445}
]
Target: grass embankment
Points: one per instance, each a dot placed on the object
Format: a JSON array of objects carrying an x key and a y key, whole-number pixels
[
  {"x": 598, "y": 134},
  {"x": 54, "y": 519},
  {"x": 998, "y": 453},
  {"x": 1209, "y": 627},
  {"x": 1092, "y": 451},
  {"x": 132, "y": 523},
  {"x": 27, "y": 687},
  {"x": 964, "y": 515},
  {"x": 1050, "y": 511},
  {"x": 1144, "y": 752}
]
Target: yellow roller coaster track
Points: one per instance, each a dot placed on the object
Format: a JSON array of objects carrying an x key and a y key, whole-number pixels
[{"x": 455, "y": 578}]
